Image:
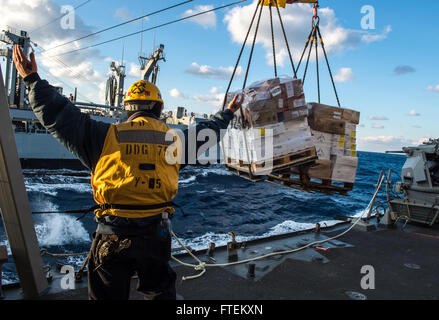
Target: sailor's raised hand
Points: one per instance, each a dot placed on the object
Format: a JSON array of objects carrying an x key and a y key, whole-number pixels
[
  {"x": 235, "y": 104},
  {"x": 23, "y": 65}
]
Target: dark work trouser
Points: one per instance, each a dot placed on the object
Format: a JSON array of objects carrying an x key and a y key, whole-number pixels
[{"x": 148, "y": 256}]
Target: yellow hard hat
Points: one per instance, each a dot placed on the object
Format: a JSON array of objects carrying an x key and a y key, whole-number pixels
[{"x": 142, "y": 91}]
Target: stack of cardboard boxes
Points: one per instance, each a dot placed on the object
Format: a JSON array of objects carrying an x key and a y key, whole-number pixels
[
  {"x": 275, "y": 115},
  {"x": 334, "y": 136},
  {"x": 294, "y": 137}
]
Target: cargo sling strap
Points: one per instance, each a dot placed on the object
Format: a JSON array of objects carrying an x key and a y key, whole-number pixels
[
  {"x": 313, "y": 40},
  {"x": 259, "y": 6},
  {"x": 108, "y": 206}
]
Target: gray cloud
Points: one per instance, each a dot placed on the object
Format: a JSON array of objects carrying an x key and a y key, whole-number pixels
[
  {"x": 212, "y": 72},
  {"x": 378, "y": 118},
  {"x": 403, "y": 69}
]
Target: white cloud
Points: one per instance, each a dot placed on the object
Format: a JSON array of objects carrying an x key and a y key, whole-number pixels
[
  {"x": 214, "y": 90},
  {"x": 134, "y": 71},
  {"x": 413, "y": 113},
  {"x": 387, "y": 143},
  {"x": 122, "y": 14},
  {"x": 382, "y": 143},
  {"x": 76, "y": 69},
  {"x": 378, "y": 118},
  {"x": 212, "y": 72},
  {"x": 377, "y": 37},
  {"x": 383, "y": 139},
  {"x": 421, "y": 141},
  {"x": 175, "y": 93},
  {"x": 377, "y": 126},
  {"x": 296, "y": 19},
  {"x": 344, "y": 75},
  {"x": 433, "y": 88},
  {"x": 207, "y": 20},
  {"x": 215, "y": 100}
]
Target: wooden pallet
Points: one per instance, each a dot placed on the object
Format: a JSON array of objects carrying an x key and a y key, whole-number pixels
[
  {"x": 244, "y": 172},
  {"x": 307, "y": 156},
  {"x": 303, "y": 182}
]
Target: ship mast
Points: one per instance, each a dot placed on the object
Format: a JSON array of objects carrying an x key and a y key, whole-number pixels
[
  {"x": 149, "y": 65},
  {"x": 14, "y": 85}
]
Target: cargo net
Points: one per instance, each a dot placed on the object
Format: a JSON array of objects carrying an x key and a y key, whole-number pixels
[{"x": 280, "y": 138}]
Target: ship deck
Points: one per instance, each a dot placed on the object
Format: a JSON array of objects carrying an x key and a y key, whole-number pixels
[{"x": 405, "y": 264}]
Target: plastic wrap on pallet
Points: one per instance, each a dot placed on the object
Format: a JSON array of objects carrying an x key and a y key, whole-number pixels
[
  {"x": 262, "y": 145},
  {"x": 271, "y": 101},
  {"x": 280, "y": 146},
  {"x": 275, "y": 109}
]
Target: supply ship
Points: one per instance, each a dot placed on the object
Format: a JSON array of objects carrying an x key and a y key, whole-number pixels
[{"x": 37, "y": 149}]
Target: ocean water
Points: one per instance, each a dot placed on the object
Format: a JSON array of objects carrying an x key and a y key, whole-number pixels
[{"x": 214, "y": 200}]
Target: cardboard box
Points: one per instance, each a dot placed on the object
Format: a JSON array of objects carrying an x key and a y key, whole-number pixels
[
  {"x": 327, "y": 125},
  {"x": 294, "y": 114},
  {"x": 277, "y": 128},
  {"x": 323, "y": 151},
  {"x": 322, "y": 137},
  {"x": 292, "y": 87},
  {"x": 322, "y": 170},
  {"x": 265, "y": 152},
  {"x": 322, "y": 111},
  {"x": 259, "y": 119},
  {"x": 296, "y": 102},
  {"x": 344, "y": 169},
  {"x": 301, "y": 132}
]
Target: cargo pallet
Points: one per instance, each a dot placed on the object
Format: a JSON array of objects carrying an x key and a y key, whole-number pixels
[
  {"x": 307, "y": 156},
  {"x": 303, "y": 182},
  {"x": 244, "y": 172}
]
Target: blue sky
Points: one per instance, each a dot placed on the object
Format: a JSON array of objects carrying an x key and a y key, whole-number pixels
[{"x": 389, "y": 73}]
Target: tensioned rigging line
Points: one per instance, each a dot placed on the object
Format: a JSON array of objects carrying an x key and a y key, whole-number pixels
[
  {"x": 243, "y": 87},
  {"x": 59, "y": 61},
  {"x": 148, "y": 29},
  {"x": 272, "y": 42},
  {"x": 240, "y": 55},
  {"x": 73, "y": 73},
  {"x": 286, "y": 40},
  {"x": 45, "y": 25},
  {"x": 67, "y": 85},
  {"x": 312, "y": 40},
  {"x": 120, "y": 24},
  {"x": 250, "y": 59}
]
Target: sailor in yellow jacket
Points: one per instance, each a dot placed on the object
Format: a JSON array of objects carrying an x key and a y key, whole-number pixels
[{"x": 134, "y": 167}]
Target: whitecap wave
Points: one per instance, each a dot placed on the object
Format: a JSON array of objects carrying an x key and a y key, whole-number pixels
[
  {"x": 218, "y": 171},
  {"x": 59, "y": 229},
  {"x": 53, "y": 189},
  {"x": 188, "y": 180},
  {"x": 288, "y": 226}
]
